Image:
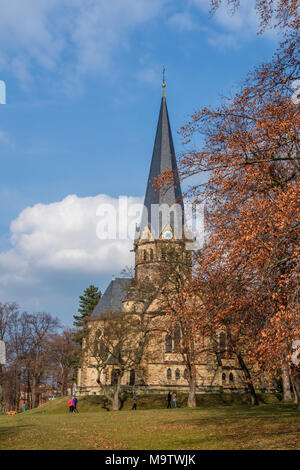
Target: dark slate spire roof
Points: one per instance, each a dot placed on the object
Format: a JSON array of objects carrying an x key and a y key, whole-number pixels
[
  {"x": 112, "y": 298},
  {"x": 163, "y": 158}
]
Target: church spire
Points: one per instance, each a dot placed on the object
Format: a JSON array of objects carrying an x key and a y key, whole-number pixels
[{"x": 163, "y": 159}]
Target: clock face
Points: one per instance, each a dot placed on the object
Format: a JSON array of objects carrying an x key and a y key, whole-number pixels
[{"x": 167, "y": 235}]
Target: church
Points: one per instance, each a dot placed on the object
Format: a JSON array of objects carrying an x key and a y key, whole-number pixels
[{"x": 163, "y": 366}]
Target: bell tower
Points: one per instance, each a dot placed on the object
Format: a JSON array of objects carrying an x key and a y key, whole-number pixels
[{"x": 161, "y": 230}]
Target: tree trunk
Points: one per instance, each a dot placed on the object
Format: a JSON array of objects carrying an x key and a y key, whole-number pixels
[
  {"x": 1, "y": 388},
  {"x": 33, "y": 392},
  {"x": 29, "y": 399},
  {"x": 115, "y": 402},
  {"x": 294, "y": 391},
  {"x": 295, "y": 376},
  {"x": 254, "y": 399},
  {"x": 286, "y": 384},
  {"x": 192, "y": 393},
  {"x": 18, "y": 390},
  {"x": 64, "y": 386},
  {"x": 116, "y": 395}
]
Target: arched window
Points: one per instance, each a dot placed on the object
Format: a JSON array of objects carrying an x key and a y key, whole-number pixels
[
  {"x": 172, "y": 219},
  {"x": 103, "y": 351},
  {"x": 231, "y": 378},
  {"x": 151, "y": 254},
  {"x": 223, "y": 377},
  {"x": 132, "y": 377},
  {"x": 145, "y": 255},
  {"x": 177, "y": 374},
  {"x": 168, "y": 343},
  {"x": 185, "y": 374},
  {"x": 163, "y": 253},
  {"x": 176, "y": 337},
  {"x": 105, "y": 376},
  {"x": 222, "y": 343},
  {"x": 160, "y": 222},
  {"x": 169, "y": 373}
]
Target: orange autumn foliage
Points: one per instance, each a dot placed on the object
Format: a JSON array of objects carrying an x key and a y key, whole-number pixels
[
  {"x": 280, "y": 13},
  {"x": 248, "y": 272}
]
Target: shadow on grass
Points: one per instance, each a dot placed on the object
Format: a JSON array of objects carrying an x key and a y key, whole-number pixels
[
  {"x": 10, "y": 431},
  {"x": 237, "y": 414}
]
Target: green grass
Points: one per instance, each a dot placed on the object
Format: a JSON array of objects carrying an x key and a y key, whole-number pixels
[{"x": 213, "y": 425}]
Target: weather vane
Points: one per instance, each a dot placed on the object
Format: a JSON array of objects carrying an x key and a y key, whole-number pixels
[{"x": 163, "y": 83}]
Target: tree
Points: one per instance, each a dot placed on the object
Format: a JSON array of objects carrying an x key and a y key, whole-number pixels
[
  {"x": 115, "y": 347},
  {"x": 32, "y": 342},
  {"x": 41, "y": 325},
  {"x": 63, "y": 352},
  {"x": 87, "y": 303},
  {"x": 279, "y": 13},
  {"x": 252, "y": 193},
  {"x": 222, "y": 289},
  {"x": 19, "y": 350},
  {"x": 181, "y": 309},
  {"x": 187, "y": 300},
  {"x": 7, "y": 311}
]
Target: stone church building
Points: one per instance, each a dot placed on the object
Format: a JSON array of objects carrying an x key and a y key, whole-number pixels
[{"x": 165, "y": 368}]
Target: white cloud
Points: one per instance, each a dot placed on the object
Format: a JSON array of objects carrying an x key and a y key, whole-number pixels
[
  {"x": 150, "y": 75},
  {"x": 54, "y": 243},
  {"x": 229, "y": 27},
  {"x": 62, "y": 236},
  {"x": 86, "y": 32},
  {"x": 183, "y": 21},
  {"x": 75, "y": 37},
  {"x": 242, "y": 18},
  {"x": 222, "y": 41}
]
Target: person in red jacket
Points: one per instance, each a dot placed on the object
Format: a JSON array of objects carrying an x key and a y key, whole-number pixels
[{"x": 71, "y": 405}]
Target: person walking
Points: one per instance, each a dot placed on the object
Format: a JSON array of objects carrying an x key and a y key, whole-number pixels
[
  {"x": 169, "y": 398},
  {"x": 174, "y": 400},
  {"x": 71, "y": 405},
  {"x": 134, "y": 399},
  {"x": 75, "y": 401}
]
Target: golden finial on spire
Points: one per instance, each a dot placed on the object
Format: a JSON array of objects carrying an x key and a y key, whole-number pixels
[{"x": 163, "y": 83}]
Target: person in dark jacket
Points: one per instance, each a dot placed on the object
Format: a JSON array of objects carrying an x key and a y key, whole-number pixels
[
  {"x": 75, "y": 401},
  {"x": 169, "y": 398},
  {"x": 134, "y": 400}
]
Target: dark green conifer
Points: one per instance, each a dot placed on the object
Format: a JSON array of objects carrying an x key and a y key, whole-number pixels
[{"x": 87, "y": 303}]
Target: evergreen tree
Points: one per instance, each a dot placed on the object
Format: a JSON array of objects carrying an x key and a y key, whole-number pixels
[{"x": 87, "y": 303}]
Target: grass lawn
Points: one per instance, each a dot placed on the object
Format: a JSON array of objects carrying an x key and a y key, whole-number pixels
[{"x": 210, "y": 426}]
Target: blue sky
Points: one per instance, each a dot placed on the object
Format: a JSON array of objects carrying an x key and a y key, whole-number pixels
[{"x": 83, "y": 82}]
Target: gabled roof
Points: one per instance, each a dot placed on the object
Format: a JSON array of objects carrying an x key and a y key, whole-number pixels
[
  {"x": 163, "y": 159},
  {"x": 112, "y": 298}
]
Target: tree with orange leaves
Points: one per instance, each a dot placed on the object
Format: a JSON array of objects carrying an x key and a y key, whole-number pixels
[
  {"x": 282, "y": 13},
  {"x": 249, "y": 270}
]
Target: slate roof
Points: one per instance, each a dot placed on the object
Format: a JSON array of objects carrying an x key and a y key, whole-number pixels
[
  {"x": 112, "y": 297},
  {"x": 163, "y": 158}
]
